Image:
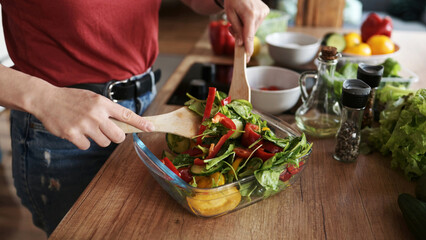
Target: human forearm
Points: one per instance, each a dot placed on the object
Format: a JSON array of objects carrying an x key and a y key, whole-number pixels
[
  {"x": 20, "y": 91},
  {"x": 72, "y": 114}
]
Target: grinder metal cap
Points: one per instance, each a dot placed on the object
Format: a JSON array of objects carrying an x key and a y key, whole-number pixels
[
  {"x": 370, "y": 74},
  {"x": 355, "y": 93}
]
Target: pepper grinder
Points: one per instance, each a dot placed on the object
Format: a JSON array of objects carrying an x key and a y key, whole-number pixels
[
  {"x": 372, "y": 75},
  {"x": 348, "y": 138}
]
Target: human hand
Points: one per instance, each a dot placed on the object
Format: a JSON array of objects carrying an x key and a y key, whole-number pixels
[
  {"x": 245, "y": 17},
  {"x": 77, "y": 115}
]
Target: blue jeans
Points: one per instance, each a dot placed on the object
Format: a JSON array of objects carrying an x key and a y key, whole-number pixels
[{"x": 50, "y": 173}]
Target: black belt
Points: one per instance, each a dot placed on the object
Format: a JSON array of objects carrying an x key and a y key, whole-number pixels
[{"x": 122, "y": 90}]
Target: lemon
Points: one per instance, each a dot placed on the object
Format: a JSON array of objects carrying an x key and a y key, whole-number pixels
[
  {"x": 256, "y": 46},
  {"x": 352, "y": 39},
  {"x": 362, "y": 49},
  {"x": 381, "y": 44},
  {"x": 214, "y": 203}
]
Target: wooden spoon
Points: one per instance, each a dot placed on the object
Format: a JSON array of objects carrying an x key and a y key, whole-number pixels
[
  {"x": 240, "y": 88},
  {"x": 185, "y": 122},
  {"x": 182, "y": 121}
]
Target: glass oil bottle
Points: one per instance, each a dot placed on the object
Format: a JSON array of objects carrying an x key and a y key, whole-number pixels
[{"x": 319, "y": 115}]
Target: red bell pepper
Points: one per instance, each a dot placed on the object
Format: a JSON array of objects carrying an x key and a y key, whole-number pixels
[
  {"x": 170, "y": 165},
  {"x": 375, "y": 25},
  {"x": 293, "y": 169},
  {"x": 224, "y": 120},
  {"x": 207, "y": 111},
  {"x": 242, "y": 152},
  {"x": 228, "y": 123},
  {"x": 285, "y": 175},
  {"x": 225, "y": 101},
  {"x": 250, "y": 135},
  {"x": 219, "y": 144},
  {"x": 221, "y": 39},
  {"x": 271, "y": 147},
  {"x": 262, "y": 154},
  {"x": 199, "y": 162}
]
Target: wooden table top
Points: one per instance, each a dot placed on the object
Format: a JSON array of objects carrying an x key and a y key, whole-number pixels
[{"x": 331, "y": 200}]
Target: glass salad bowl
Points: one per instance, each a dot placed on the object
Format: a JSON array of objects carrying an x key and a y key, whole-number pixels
[{"x": 217, "y": 201}]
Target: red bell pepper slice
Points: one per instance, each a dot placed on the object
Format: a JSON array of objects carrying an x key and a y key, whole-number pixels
[
  {"x": 225, "y": 101},
  {"x": 285, "y": 175},
  {"x": 207, "y": 111},
  {"x": 199, "y": 162},
  {"x": 242, "y": 152},
  {"x": 228, "y": 123},
  {"x": 219, "y": 144},
  {"x": 224, "y": 120},
  {"x": 293, "y": 169},
  {"x": 170, "y": 165},
  {"x": 271, "y": 147},
  {"x": 249, "y": 135},
  {"x": 260, "y": 153}
]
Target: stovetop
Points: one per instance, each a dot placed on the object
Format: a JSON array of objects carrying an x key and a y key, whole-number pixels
[{"x": 197, "y": 80}]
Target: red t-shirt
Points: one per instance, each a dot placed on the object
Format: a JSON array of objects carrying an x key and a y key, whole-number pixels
[{"x": 68, "y": 42}]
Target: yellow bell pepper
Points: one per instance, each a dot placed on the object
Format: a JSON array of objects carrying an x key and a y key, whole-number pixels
[{"x": 214, "y": 203}]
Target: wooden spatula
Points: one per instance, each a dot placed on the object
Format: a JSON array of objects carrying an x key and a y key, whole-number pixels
[
  {"x": 182, "y": 121},
  {"x": 240, "y": 88},
  {"x": 185, "y": 122}
]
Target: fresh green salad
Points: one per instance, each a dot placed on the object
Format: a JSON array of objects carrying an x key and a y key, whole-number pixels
[{"x": 233, "y": 143}]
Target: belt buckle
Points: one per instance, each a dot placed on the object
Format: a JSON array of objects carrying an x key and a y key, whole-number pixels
[{"x": 110, "y": 93}]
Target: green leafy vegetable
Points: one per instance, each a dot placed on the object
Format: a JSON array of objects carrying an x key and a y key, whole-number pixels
[
  {"x": 402, "y": 133},
  {"x": 391, "y": 68}
]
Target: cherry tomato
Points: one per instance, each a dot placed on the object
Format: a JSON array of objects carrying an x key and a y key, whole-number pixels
[{"x": 185, "y": 174}]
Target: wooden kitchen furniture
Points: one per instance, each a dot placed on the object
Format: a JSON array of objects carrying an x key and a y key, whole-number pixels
[{"x": 331, "y": 200}]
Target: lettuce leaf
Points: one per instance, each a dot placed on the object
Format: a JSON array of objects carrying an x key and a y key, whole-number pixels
[{"x": 402, "y": 133}]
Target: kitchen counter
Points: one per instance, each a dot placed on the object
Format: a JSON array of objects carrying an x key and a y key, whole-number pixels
[{"x": 331, "y": 200}]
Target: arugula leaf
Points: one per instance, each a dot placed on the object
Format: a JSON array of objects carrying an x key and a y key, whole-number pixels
[
  {"x": 182, "y": 160},
  {"x": 213, "y": 161}
]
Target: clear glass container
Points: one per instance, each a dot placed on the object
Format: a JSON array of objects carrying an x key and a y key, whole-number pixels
[
  {"x": 216, "y": 201},
  {"x": 348, "y": 138},
  {"x": 319, "y": 115}
]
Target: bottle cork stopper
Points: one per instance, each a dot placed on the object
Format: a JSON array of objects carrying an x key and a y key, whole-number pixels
[{"x": 328, "y": 53}]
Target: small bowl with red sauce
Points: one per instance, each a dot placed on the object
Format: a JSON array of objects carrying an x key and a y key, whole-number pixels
[{"x": 274, "y": 90}]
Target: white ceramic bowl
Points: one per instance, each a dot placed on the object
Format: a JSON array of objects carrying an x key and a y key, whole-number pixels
[
  {"x": 277, "y": 101},
  {"x": 291, "y": 49},
  {"x": 373, "y": 59}
]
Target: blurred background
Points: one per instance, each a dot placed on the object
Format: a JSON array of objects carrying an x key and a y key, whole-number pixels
[{"x": 180, "y": 28}]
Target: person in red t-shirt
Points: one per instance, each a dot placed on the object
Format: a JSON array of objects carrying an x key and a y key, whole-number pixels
[{"x": 66, "y": 56}]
